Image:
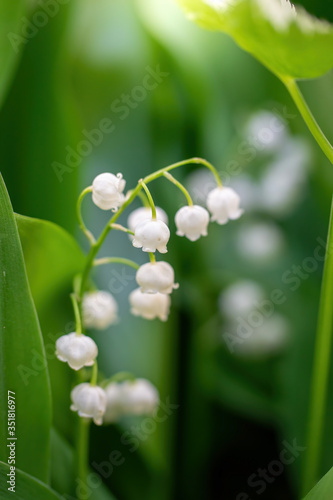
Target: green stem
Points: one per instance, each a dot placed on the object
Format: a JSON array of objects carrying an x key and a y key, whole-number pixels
[
  {"x": 180, "y": 186},
  {"x": 119, "y": 227},
  {"x": 144, "y": 199},
  {"x": 150, "y": 199},
  {"x": 321, "y": 367},
  {"x": 82, "y": 225},
  {"x": 78, "y": 323},
  {"x": 195, "y": 161},
  {"x": 82, "y": 447},
  {"x": 152, "y": 257},
  {"x": 135, "y": 192},
  {"x": 95, "y": 248},
  {"x": 116, "y": 260},
  {"x": 94, "y": 374},
  {"x": 308, "y": 117},
  {"x": 323, "y": 342}
]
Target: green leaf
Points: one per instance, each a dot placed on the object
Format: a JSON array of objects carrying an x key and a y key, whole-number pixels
[
  {"x": 323, "y": 490},
  {"x": 62, "y": 471},
  {"x": 56, "y": 126},
  {"x": 288, "y": 40},
  {"x": 26, "y": 486},
  {"x": 52, "y": 258},
  {"x": 22, "y": 358},
  {"x": 11, "y": 40},
  {"x": 51, "y": 254}
]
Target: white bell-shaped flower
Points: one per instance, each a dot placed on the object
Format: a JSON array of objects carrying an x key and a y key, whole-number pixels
[
  {"x": 89, "y": 401},
  {"x": 77, "y": 350},
  {"x": 223, "y": 203},
  {"x": 156, "y": 277},
  {"x": 151, "y": 235},
  {"x": 192, "y": 222},
  {"x": 99, "y": 309},
  {"x": 114, "y": 403},
  {"x": 145, "y": 213},
  {"x": 107, "y": 191},
  {"x": 138, "y": 397},
  {"x": 150, "y": 305}
]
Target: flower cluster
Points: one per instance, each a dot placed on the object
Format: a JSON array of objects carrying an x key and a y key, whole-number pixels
[
  {"x": 107, "y": 405},
  {"x": 148, "y": 230}
]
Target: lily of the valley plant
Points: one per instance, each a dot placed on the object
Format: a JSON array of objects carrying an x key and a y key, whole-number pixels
[{"x": 105, "y": 401}]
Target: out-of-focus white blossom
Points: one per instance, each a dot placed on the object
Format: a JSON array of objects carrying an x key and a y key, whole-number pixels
[
  {"x": 99, "y": 309},
  {"x": 107, "y": 191},
  {"x": 223, "y": 203},
  {"x": 260, "y": 241},
  {"x": 141, "y": 397},
  {"x": 156, "y": 277},
  {"x": 266, "y": 131},
  {"x": 199, "y": 183},
  {"x": 77, "y": 350},
  {"x": 114, "y": 403},
  {"x": 240, "y": 298},
  {"x": 150, "y": 305},
  {"x": 283, "y": 183},
  {"x": 264, "y": 340},
  {"x": 138, "y": 397},
  {"x": 89, "y": 401},
  {"x": 151, "y": 235},
  {"x": 248, "y": 191},
  {"x": 192, "y": 222}
]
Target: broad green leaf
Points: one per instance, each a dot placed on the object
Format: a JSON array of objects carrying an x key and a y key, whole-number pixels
[
  {"x": 11, "y": 40},
  {"x": 323, "y": 490},
  {"x": 62, "y": 471},
  {"x": 22, "y": 357},
  {"x": 62, "y": 464},
  {"x": 288, "y": 40},
  {"x": 41, "y": 192},
  {"x": 52, "y": 258},
  {"x": 26, "y": 486},
  {"x": 51, "y": 254}
]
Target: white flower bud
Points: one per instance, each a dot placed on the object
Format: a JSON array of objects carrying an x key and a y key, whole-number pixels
[
  {"x": 150, "y": 305},
  {"x": 145, "y": 213},
  {"x": 77, "y": 350},
  {"x": 151, "y": 235},
  {"x": 137, "y": 397},
  {"x": 156, "y": 277},
  {"x": 99, "y": 309},
  {"x": 89, "y": 401},
  {"x": 107, "y": 191},
  {"x": 223, "y": 203},
  {"x": 192, "y": 222}
]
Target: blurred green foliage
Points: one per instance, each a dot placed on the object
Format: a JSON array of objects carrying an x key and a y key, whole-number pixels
[{"x": 234, "y": 412}]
